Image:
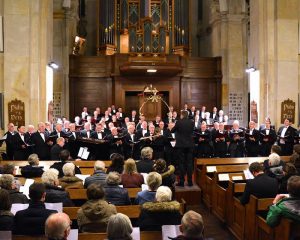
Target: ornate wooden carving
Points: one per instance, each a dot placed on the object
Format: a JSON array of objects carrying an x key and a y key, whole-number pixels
[
  {"x": 288, "y": 108},
  {"x": 16, "y": 112}
]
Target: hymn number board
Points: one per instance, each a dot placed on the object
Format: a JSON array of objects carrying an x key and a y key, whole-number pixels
[
  {"x": 288, "y": 108},
  {"x": 16, "y": 112}
]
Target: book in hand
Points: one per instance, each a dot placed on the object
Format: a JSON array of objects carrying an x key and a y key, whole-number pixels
[
  {"x": 83, "y": 153},
  {"x": 221, "y": 135},
  {"x": 117, "y": 138},
  {"x": 240, "y": 133},
  {"x": 170, "y": 231},
  {"x": 267, "y": 137},
  {"x": 52, "y": 138}
]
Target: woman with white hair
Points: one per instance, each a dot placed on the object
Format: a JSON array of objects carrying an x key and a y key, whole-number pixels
[
  {"x": 33, "y": 169},
  {"x": 274, "y": 166},
  {"x": 54, "y": 193},
  {"x": 69, "y": 180},
  {"x": 119, "y": 227},
  {"x": 163, "y": 211}
]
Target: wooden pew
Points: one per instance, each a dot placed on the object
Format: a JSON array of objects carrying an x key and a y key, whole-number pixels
[
  {"x": 207, "y": 192},
  {"x": 21, "y": 237},
  {"x": 101, "y": 236},
  {"x": 220, "y": 185},
  {"x": 80, "y": 194},
  {"x": 235, "y": 211}
]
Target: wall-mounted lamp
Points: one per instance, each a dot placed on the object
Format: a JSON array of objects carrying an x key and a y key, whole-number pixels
[
  {"x": 53, "y": 65},
  {"x": 250, "y": 69}
]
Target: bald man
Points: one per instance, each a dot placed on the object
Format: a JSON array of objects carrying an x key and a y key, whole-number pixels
[{"x": 58, "y": 226}]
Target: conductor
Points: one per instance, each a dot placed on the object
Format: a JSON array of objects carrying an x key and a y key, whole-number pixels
[{"x": 183, "y": 130}]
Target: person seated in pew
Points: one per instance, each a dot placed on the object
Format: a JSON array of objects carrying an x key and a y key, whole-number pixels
[
  {"x": 119, "y": 227},
  {"x": 153, "y": 181},
  {"x": 32, "y": 170},
  {"x": 54, "y": 193},
  {"x": 286, "y": 206},
  {"x": 57, "y": 148},
  {"x": 130, "y": 177},
  {"x": 10, "y": 168},
  {"x": 262, "y": 186},
  {"x": 115, "y": 194},
  {"x": 7, "y": 182},
  {"x": 192, "y": 227},
  {"x": 117, "y": 163},
  {"x": 295, "y": 157},
  {"x": 6, "y": 216},
  {"x": 69, "y": 180},
  {"x": 167, "y": 173},
  {"x": 64, "y": 157},
  {"x": 58, "y": 226},
  {"x": 289, "y": 170},
  {"x": 145, "y": 165},
  {"x": 94, "y": 214},
  {"x": 163, "y": 211},
  {"x": 99, "y": 175},
  {"x": 31, "y": 221},
  {"x": 275, "y": 166}
]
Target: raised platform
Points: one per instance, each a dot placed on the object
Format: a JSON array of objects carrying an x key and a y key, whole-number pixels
[{"x": 191, "y": 195}]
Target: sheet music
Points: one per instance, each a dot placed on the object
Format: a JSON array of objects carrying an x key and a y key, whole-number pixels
[
  {"x": 5, "y": 235},
  {"x": 80, "y": 152},
  {"x": 82, "y": 177},
  {"x": 17, "y": 168},
  {"x": 55, "y": 206},
  {"x": 73, "y": 234},
  {"x": 224, "y": 177},
  {"x": 248, "y": 174},
  {"x": 236, "y": 178},
  {"x": 136, "y": 235},
  {"x": 4, "y": 137},
  {"x": 211, "y": 169},
  {"x": 85, "y": 154},
  {"x": 145, "y": 175},
  {"x": 25, "y": 189},
  {"x": 173, "y": 143},
  {"x": 19, "y": 206},
  {"x": 170, "y": 231}
]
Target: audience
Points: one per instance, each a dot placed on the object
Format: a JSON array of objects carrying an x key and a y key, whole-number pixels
[
  {"x": 99, "y": 175},
  {"x": 7, "y": 182},
  {"x": 262, "y": 186},
  {"x": 57, "y": 148},
  {"x": 6, "y": 217},
  {"x": 31, "y": 221},
  {"x": 153, "y": 181},
  {"x": 130, "y": 177},
  {"x": 64, "y": 156},
  {"x": 283, "y": 206},
  {"x": 55, "y": 194},
  {"x": 10, "y": 168},
  {"x": 145, "y": 165},
  {"x": 119, "y": 227},
  {"x": 94, "y": 214},
  {"x": 33, "y": 169},
  {"x": 288, "y": 170},
  {"x": 58, "y": 226},
  {"x": 295, "y": 157},
  {"x": 162, "y": 211},
  {"x": 167, "y": 173},
  {"x": 191, "y": 227},
  {"x": 117, "y": 163},
  {"x": 113, "y": 192},
  {"x": 274, "y": 168},
  {"x": 69, "y": 180}
]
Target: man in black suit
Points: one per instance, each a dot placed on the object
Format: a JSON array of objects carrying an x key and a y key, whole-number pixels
[
  {"x": 20, "y": 145},
  {"x": 262, "y": 186},
  {"x": 57, "y": 148},
  {"x": 286, "y": 134},
  {"x": 9, "y": 141},
  {"x": 133, "y": 117},
  {"x": 40, "y": 141},
  {"x": 252, "y": 140},
  {"x": 183, "y": 130},
  {"x": 57, "y": 133},
  {"x": 267, "y": 138},
  {"x": 87, "y": 132},
  {"x": 31, "y": 221},
  {"x": 214, "y": 115},
  {"x": 131, "y": 146}
]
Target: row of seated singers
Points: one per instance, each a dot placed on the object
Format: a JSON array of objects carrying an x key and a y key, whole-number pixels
[{"x": 214, "y": 142}]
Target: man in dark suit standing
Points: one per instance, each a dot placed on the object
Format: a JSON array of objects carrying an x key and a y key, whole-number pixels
[
  {"x": 262, "y": 186},
  {"x": 184, "y": 143},
  {"x": 20, "y": 144},
  {"x": 286, "y": 134},
  {"x": 40, "y": 141},
  {"x": 9, "y": 141}
]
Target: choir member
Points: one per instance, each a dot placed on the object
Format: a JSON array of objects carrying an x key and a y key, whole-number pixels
[
  {"x": 197, "y": 123},
  {"x": 131, "y": 148},
  {"x": 252, "y": 140},
  {"x": 221, "y": 116},
  {"x": 267, "y": 138},
  {"x": 20, "y": 145},
  {"x": 9, "y": 141},
  {"x": 236, "y": 136},
  {"x": 214, "y": 115},
  {"x": 84, "y": 113},
  {"x": 41, "y": 145},
  {"x": 192, "y": 112},
  {"x": 115, "y": 142},
  {"x": 87, "y": 132},
  {"x": 202, "y": 114},
  {"x": 204, "y": 149},
  {"x": 286, "y": 135},
  {"x": 133, "y": 117},
  {"x": 220, "y": 139}
]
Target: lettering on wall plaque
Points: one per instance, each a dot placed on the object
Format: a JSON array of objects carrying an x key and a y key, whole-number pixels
[
  {"x": 16, "y": 112},
  {"x": 288, "y": 108}
]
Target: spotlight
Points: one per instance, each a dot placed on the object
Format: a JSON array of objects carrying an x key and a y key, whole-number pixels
[{"x": 53, "y": 65}]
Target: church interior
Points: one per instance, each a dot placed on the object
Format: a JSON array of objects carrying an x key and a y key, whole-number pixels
[{"x": 62, "y": 59}]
